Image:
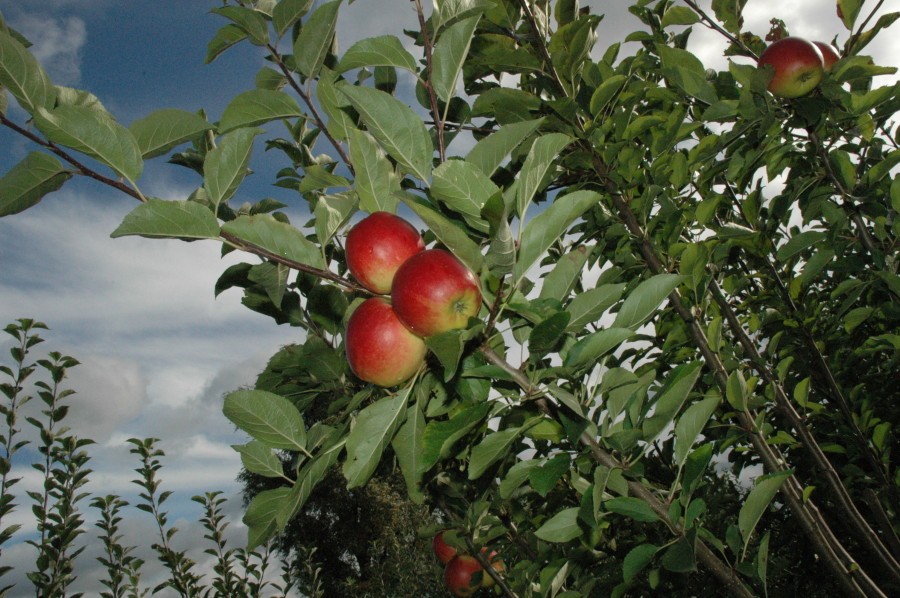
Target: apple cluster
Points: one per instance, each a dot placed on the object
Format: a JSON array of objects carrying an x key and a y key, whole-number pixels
[
  {"x": 463, "y": 573},
  {"x": 418, "y": 292},
  {"x": 798, "y": 64}
]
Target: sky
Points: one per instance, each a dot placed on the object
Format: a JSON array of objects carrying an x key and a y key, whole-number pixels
[{"x": 158, "y": 351}]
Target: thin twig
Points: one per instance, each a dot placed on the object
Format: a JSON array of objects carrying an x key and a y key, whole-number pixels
[
  {"x": 432, "y": 95},
  {"x": 80, "y": 168}
]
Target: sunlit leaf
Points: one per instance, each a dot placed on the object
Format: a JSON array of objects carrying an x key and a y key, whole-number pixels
[
  {"x": 276, "y": 237},
  {"x": 374, "y": 429},
  {"x": 256, "y": 107},
  {"x": 158, "y": 218},
  {"x": 23, "y": 75},
  {"x": 312, "y": 45},
  {"x": 267, "y": 417},
  {"x": 162, "y": 130}
]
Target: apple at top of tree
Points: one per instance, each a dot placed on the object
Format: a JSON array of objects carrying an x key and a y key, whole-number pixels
[
  {"x": 377, "y": 246},
  {"x": 798, "y": 66},
  {"x": 434, "y": 292},
  {"x": 380, "y": 349}
]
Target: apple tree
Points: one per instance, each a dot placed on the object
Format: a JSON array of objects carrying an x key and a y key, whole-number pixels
[{"x": 686, "y": 355}]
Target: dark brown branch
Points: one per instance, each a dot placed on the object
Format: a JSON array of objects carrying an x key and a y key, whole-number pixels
[
  {"x": 80, "y": 168},
  {"x": 543, "y": 50}
]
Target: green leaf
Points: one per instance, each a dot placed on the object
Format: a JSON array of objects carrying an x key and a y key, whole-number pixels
[
  {"x": 543, "y": 154},
  {"x": 680, "y": 557},
  {"x": 256, "y": 107},
  {"x": 267, "y": 417},
  {"x": 798, "y": 243},
  {"x": 489, "y": 153},
  {"x": 332, "y": 211},
  {"x": 679, "y": 15},
  {"x": 588, "y": 306},
  {"x": 644, "y": 300},
  {"x": 162, "y": 219},
  {"x": 671, "y": 397},
  {"x": 276, "y": 237},
  {"x": 588, "y": 350},
  {"x": 94, "y": 133},
  {"x": 226, "y": 37},
  {"x": 308, "y": 477},
  {"x": 757, "y": 502},
  {"x": 374, "y": 428},
  {"x": 248, "y": 20},
  {"x": 546, "y": 335},
  {"x": 736, "y": 391},
  {"x": 394, "y": 124},
  {"x": 636, "y": 559},
  {"x": 632, "y": 507},
  {"x": 375, "y": 177},
  {"x": 449, "y": 54},
  {"x": 225, "y": 166},
  {"x": 690, "y": 424},
  {"x": 605, "y": 92},
  {"x": 463, "y": 188},
  {"x": 260, "y": 459},
  {"x": 449, "y": 346},
  {"x": 450, "y": 10},
  {"x": 162, "y": 130},
  {"x": 728, "y": 12},
  {"x": 440, "y": 436},
  {"x": 544, "y": 229},
  {"x": 260, "y": 515},
  {"x": 384, "y": 50},
  {"x": 450, "y": 235},
  {"x": 850, "y": 11},
  {"x": 331, "y": 100},
  {"x": 23, "y": 76},
  {"x": 29, "y": 181},
  {"x": 312, "y": 45},
  {"x": 272, "y": 278},
  {"x": 288, "y": 12},
  {"x": 491, "y": 449},
  {"x": 686, "y": 71},
  {"x": 407, "y": 445},
  {"x": 562, "y": 527},
  {"x": 559, "y": 282}
]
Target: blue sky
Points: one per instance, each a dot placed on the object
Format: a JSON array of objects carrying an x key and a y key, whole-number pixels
[{"x": 158, "y": 350}]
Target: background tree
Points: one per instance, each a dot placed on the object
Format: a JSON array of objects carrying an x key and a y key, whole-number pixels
[{"x": 681, "y": 273}]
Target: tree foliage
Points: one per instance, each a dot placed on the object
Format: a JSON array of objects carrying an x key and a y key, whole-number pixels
[{"x": 682, "y": 275}]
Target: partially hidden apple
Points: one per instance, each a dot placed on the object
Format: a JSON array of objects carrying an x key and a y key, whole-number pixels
[
  {"x": 443, "y": 551},
  {"x": 830, "y": 55},
  {"x": 380, "y": 349},
  {"x": 434, "y": 292},
  {"x": 798, "y": 66},
  {"x": 377, "y": 245},
  {"x": 460, "y": 575},
  {"x": 497, "y": 565}
]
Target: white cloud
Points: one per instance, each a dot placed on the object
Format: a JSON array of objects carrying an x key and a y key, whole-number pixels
[{"x": 57, "y": 44}]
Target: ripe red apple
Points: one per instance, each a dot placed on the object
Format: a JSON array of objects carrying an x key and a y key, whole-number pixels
[
  {"x": 460, "y": 574},
  {"x": 434, "y": 292},
  {"x": 798, "y": 66},
  {"x": 377, "y": 245},
  {"x": 380, "y": 349},
  {"x": 829, "y": 54},
  {"x": 443, "y": 551}
]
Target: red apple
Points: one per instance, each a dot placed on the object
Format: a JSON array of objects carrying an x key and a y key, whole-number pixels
[
  {"x": 460, "y": 575},
  {"x": 497, "y": 565},
  {"x": 380, "y": 349},
  {"x": 434, "y": 292},
  {"x": 376, "y": 247},
  {"x": 798, "y": 66},
  {"x": 443, "y": 551},
  {"x": 829, "y": 54}
]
